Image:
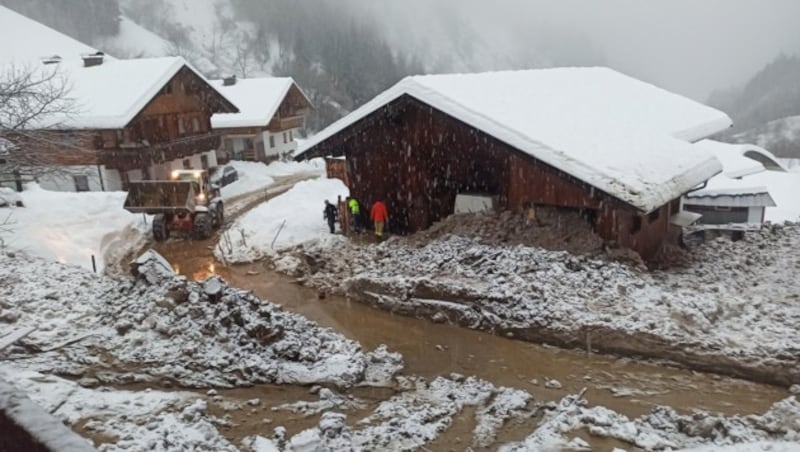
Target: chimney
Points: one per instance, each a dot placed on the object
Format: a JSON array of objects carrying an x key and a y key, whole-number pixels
[
  {"x": 229, "y": 81},
  {"x": 55, "y": 59},
  {"x": 93, "y": 59}
]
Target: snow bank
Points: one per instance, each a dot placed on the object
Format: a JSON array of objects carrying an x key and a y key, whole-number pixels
[
  {"x": 71, "y": 227},
  {"x": 294, "y": 217},
  {"x": 256, "y": 175},
  {"x": 252, "y": 176},
  {"x": 162, "y": 327}
]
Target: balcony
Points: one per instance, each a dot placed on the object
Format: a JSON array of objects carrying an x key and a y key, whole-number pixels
[{"x": 286, "y": 123}]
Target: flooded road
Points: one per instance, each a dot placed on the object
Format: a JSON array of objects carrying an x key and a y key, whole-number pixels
[{"x": 429, "y": 349}]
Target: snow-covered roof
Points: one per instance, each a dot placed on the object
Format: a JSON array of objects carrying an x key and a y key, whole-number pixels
[
  {"x": 25, "y": 41},
  {"x": 106, "y": 96},
  {"x": 757, "y": 197},
  {"x": 739, "y": 160},
  {"x": 258, "y": 100},
  {"x": 751, "y": 187},
  {"x": 628, "y": 138}
]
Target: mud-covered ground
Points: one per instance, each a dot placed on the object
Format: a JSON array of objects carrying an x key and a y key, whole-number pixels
[
  {"x": 121, "y": 361},
  {"x": 725, "y": 307}
]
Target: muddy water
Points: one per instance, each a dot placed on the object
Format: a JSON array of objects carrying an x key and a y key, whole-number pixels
[{"x": 429, "y": 350}]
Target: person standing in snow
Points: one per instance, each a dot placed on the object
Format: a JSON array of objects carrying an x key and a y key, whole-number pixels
[
  {"x": 330, "y": 214},
  {"x": 355, "y": 213},
  {"x": 379, "y": 216}
]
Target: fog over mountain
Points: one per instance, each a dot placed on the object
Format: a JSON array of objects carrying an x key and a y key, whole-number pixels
[{"x": 345, "y": 51}]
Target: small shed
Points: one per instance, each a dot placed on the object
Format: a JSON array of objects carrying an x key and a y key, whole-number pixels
[{"x": 591, "y": 139}]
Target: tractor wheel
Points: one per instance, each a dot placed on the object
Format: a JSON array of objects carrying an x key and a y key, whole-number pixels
[
  {"x": 160, "y": 229},
  {"x": 219, "y": 215},
  {"x": 201, "y": 229}
]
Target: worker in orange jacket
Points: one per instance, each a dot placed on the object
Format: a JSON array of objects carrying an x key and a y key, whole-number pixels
[{"x": 379, "y": 216}]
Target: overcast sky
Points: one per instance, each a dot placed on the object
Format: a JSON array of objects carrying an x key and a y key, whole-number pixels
[{"x": 688, "y": 46}]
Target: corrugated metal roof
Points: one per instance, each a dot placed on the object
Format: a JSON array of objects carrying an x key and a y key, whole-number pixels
[{"x": 726, "y": 200}]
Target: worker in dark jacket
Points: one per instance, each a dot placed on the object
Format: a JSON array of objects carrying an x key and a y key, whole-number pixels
[
  {"x": 379, "y": 216},
  {"x": 330, "y": 214}
]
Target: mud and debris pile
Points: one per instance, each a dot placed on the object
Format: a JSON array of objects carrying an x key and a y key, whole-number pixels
[
  {"x": 162, "y": 327},
  {"x": 733, "y": 308},
  {"x": 549, "y": 228},
  {"x": 665, "y": 429}
]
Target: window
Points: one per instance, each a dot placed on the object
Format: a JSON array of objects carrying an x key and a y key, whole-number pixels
[
  {"x": 181, "y": 127},
  {"x": 187, "y": 164},
  {"x": 81, "y": 183},
  {"x": 204, "y": 161},
  {"x": 195, "y": 124},
  {"x": 272, "y": 141},
  {"x": 636, "y": 225}
]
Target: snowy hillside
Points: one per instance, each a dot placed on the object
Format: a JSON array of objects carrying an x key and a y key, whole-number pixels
[{"x": 781, "y": 137}]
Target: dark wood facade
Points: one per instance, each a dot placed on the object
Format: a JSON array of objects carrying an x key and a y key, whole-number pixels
[
  {"x": 174, "y": 124},
  {"x": 418, "y": 159}
]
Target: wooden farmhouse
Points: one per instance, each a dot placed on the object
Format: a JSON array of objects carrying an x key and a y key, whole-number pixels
[
  {"x": 121, "y": 121},
  {"x": 272, "y": 110},
  {"x": 589, "y": 139}
]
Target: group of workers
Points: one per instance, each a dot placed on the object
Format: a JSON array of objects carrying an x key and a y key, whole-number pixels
[{"x": 378, "y": 214}]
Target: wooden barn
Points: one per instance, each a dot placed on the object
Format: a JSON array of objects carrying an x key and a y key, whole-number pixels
[
  {"x": 590, "y": 139},
  {"x": 121, "y": 120}
]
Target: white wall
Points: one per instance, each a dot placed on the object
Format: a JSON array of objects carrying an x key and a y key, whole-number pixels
[
  {"x": 755, "y": 214},
  {"x": 280, "y": 147},
  {"x": 62, "y": 178}
]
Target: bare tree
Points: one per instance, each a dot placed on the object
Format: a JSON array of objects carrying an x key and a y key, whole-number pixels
[{"x": 34, "y": 102}]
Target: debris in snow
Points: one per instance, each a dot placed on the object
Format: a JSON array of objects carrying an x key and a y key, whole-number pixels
[
  {"x": 795, "y": 389},
  {"x": 413, "y": 418},
  {"x": 663, "y": 428},
  {"x": 152, "y": 267},
  {"x": 553, "y": 384},
  {"x": 732, "y": 306},
  {"x": 140, "y": 334},
  {"x": 328, "y": 400}
]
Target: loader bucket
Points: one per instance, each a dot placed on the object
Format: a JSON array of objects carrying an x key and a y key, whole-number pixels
[{"x": 154, "y": 197}]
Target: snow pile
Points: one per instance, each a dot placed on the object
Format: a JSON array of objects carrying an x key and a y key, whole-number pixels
[
  {"x": 416, "y": 417},
  {"x": 165, "y": 328},
  {"x": 281, "y": 222},
  {"x": 313, "y": 166},
  {"x": 71, "y": 227},
  {"x": 663, "y": 428},
  {"x": 142, "y": 420},
  {"x": 251, "y": 176},
  {"x": 733, "y": 309},
  {"x": 256, "y": 175},
  {"x": 10, "y": 198}
]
